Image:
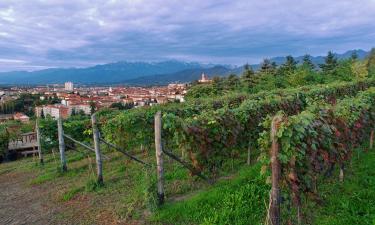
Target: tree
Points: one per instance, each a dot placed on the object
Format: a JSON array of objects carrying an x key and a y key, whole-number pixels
[
  {"x": 4, "y": 140},
  {"x": 200, "y": 91},
  {"x": 120, "y": 106},
  {"x": 48, "y": 129},
  {"x": 359, "y": 70},
  {"x": 233, "y": 81},
  {"x": 268, "y": 67},
  {"x": 92, "y": 107},
  {"x": 248, "y": 77},
  {"x": 42, "y": 113},
  {"x": 217, "y": 84},
  {"x": 307, "y": 63},
  {"x": 194, "y": 83},
  {"x": 273, "y": 67},
  {"x": 290, "y": 63},
  {"x": 73, "y": 112},
  {"x": 329, "y": 68},
  {"x": 288, "y": 67},
  {"x": 370, "y": 64},
  {"x": 343, "y": 71}
]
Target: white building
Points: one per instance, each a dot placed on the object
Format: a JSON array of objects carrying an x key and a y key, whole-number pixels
[
  {"x": 69, "y": 86},
  {"x": 55, "y": 111},
  {"x": 85, "y": 108},
  {"x": 204, "y": 79}
]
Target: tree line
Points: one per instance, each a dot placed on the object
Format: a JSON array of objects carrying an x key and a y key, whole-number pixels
[{"x": 291, "y": 73}]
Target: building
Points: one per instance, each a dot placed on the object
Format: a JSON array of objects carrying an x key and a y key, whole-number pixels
[
  {"x": 177, "y": 85},
  {"x": 21, "y": 117},
  {"x": 85, "y": 108},
  {"x": 69, "y": 86},
  {"x": 55, "y": 111},
  {"x": 161, "y": 100},
  {"x": 204, "y": 79}
]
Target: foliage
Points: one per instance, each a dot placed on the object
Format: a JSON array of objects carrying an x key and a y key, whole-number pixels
[
  {"x": 77, "y": 126},
  {"x": 268, "y": 67},
  {"x": 131, "y": 128},
  {"x": 10, "y": 130},
  {"x": 370, "y": 63},
  {"x": 210, "y": 132},
  {"x": 329, "y": 68},
  {"x": 248, "y": 78},
  {"x": 122, "y": 106},
  {"x": 200, "y": 90},
  {"x": 48, "y": 130},
  {"x": 288, "y": 67},
  {"x": 315, "y": 140},
  {"x": 355, "y": 203},
  {"x": 26, "y": 103},
  {"x": 307, "y": 63},
  {"x": 359, "y": 70}
]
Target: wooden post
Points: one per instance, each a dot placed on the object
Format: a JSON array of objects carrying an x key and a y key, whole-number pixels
[
  {"x": 248, "y": 154},
  {"x": 274, "y": 212},
  {"x": 39, "y": 141},
  {"x": 372, "y": 139},
  {"x": 159, "y": 158},
  {"x": 61, "y": 144},
  {"x": 341, "y": 176},
  {"x": 99, "y": 167}
]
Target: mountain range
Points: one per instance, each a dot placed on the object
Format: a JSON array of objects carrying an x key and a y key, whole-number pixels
[{"x": 140, "y": 73}]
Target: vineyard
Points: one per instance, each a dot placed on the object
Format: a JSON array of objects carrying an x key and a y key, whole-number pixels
[
  {"x": 275, "y": 149},
  {"x": 221, "y": 128}
]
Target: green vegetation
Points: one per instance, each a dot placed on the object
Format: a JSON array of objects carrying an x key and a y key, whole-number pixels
[
  {"x": 244, "y": 199},
  {"x": 241, "y": 200},
  {"x": 314, "y": 141},
  {"x": 290, "y": 74},
  {"x": 26, "y": 103},
  {"x": 9, "y": 131},
  {"x": 224, "y": 129},
  {"x": 355, "y": 203}
]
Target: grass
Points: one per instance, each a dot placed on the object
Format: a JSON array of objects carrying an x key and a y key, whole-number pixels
[
  {"x": 237, "y": 201},
  {"x": 71, "y": 193},
  {"x": 243, "y": 199},
  {"x": 353, "y": 201},
  {"x": 128, "y": 193}
]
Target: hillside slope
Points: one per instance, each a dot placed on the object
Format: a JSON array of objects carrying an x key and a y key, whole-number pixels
[
  {"x": 243, "y": 200},
  {"x": 180, "y": 76}
]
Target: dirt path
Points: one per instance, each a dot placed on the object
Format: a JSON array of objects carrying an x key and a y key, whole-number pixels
[{"x": 21, "y": 203}]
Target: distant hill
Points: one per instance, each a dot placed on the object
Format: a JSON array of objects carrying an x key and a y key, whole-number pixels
[
  {"x": 140, "y": 73},
  {"x": 180, "y": 76},
  {"x": 107, "y": 73}
]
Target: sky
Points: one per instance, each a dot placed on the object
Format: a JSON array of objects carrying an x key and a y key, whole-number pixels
[{"x": 39, "y": 34}]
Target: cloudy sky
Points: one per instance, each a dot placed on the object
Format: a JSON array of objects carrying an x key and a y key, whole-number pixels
[{"x": 37, "y": 34}]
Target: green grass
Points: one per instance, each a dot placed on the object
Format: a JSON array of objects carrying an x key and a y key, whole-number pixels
[
  {"x": 128, "y": 192},
  {"x": 353, "y": 201},
  {"x": 71, "y": 193},
  {"x": 241, "y": 200}
]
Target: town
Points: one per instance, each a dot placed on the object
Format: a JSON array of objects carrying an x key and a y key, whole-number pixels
[{"x": 67, "y": 99}]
